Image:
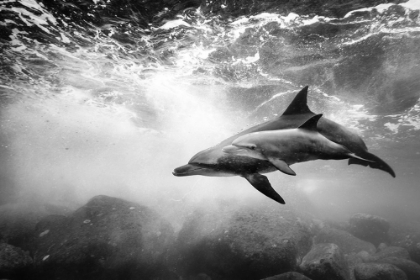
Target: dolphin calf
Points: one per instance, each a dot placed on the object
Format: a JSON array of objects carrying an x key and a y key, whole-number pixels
[
  {"x": 288, "y": 146},
  {"x": 214, "y": 162}
]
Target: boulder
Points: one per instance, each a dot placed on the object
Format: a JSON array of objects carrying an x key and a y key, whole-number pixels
[
  {"x": 325, "y": 262},
  {"x": 378, "y": 271},
  {"x": 370, "y": 228},
  {"x": 411, "y": 269},
  {"x": 354, "y": 260},
  {"x": 391, "y": 251},
  {"x": 108, "y": 238},
  {"x": 347, "y": 242},
  {"x": 14, "y": 262},
  {"x": 408, "y": 239},
  {"x": 18, "y": 221},
  {"x": 288, "y": 276},
  {"x": 245, "y": 243}
]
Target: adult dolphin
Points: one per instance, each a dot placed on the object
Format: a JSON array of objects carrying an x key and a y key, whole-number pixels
[
  {"x": 285, "y": 147},
  {"x": 214, "y": 162}
]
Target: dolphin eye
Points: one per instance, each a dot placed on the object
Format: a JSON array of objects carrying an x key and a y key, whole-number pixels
[{"x": 252, "y": 147}]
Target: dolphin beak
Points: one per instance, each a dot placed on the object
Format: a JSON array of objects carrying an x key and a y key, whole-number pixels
[
  {"x": 186, "y": 170},
  {"x": 191, "y": 169}
]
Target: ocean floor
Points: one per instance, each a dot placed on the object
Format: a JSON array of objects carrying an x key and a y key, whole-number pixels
[{"x": 111, "y": 238}]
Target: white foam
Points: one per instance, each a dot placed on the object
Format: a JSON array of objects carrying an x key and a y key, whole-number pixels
[
  {"x": 393, "y": 127},
  {"x": 380, "y": 9},
  {"x": 64, "y": 38},
  {"x": 412, "y": 4},
  {"x": 174, "y": 23}
]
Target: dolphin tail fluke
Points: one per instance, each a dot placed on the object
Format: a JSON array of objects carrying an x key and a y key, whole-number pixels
[
  {"x": 372, "y": 161},
  {"x": 261, "y": 183}
]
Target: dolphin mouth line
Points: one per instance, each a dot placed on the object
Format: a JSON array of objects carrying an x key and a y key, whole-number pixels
[
  {"x": 192, "y": 168},
  {"x": 180, "y": 174}
]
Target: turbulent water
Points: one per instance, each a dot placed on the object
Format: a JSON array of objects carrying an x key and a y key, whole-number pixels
[{"x": 104, "y": 99}]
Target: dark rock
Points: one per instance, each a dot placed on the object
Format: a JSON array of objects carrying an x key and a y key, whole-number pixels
[
  {"x": 108, "y": 238},
  {"x": 411, "y": 269},
  {"x": 347, "y": 242},
  {"x": 325, "y": 262},
  {"x": 18, "y": 221},
  {"x": 391, "y": 251},
  {"x": 376, "y": 271},
  {"x": 14, "y": 262},
  {"x": 408, "y": 239},
  {"x": 288, "y": 276},
  {"x": 201, "y": 276},
  {"x": 370, "y": 228},
  {"x": 354, "y": 260},
  {"x": 248, "y": 243}
]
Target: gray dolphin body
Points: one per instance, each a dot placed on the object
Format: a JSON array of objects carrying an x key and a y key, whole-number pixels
[
  {"x": 214, "y": 162},
  {"x": 289, "y": 146}
]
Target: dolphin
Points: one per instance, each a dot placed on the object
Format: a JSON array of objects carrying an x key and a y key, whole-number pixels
[
  {"x": 214, "y": 162},
  {"x": 289, "y": 146}
]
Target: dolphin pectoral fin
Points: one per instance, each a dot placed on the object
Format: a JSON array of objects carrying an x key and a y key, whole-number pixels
[
  {"x": 281, "y": 166},
  {"x": 261, "y": 183}
]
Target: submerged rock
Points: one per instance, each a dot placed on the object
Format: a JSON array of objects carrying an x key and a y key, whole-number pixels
[
  {"x": 325, "y": 262},
  {"x": 408, "y": 239},
  {"x": 18, "y": 221},
  {"x": 108, "y": 238},
  {"x": 376, "y": 271},
  {"x": 391, "y": 251},
  {"x": 411, "y": 269},
  {"x": 247, "y": 243},
  {"x": 347, "y": 242},
  {"x": 354, "y": 260},
  {"x": 14, "y": 262},
  {"x": 370, "y": 228}
]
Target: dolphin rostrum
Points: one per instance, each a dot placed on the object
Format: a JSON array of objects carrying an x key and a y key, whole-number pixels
[
  {"x": 288, "y": 146},
  {"x": 214, "y": 162}
]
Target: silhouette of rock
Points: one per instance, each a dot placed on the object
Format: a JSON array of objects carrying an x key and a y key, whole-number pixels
[
  {"x": 411, "y": 269},
  {"x": 347, "y": 242},
  {"x": 18, "y": 221},
  {"x": 370, "y": 228},
  {"x": 14, "y": 262},
  {"x": 375, "y": 271},
  {"x": 108, "y": 238},
  {"x": 325, "y": 261},
  {"x": 248, "y": 243}
]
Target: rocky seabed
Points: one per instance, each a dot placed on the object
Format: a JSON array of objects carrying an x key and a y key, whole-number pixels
[{"x": 111, "y": 238}]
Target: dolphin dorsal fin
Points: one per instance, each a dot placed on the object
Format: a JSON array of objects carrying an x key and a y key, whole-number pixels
[
  {"x": 311, "y": 124},
  {"x": 299, "y": 104}
]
